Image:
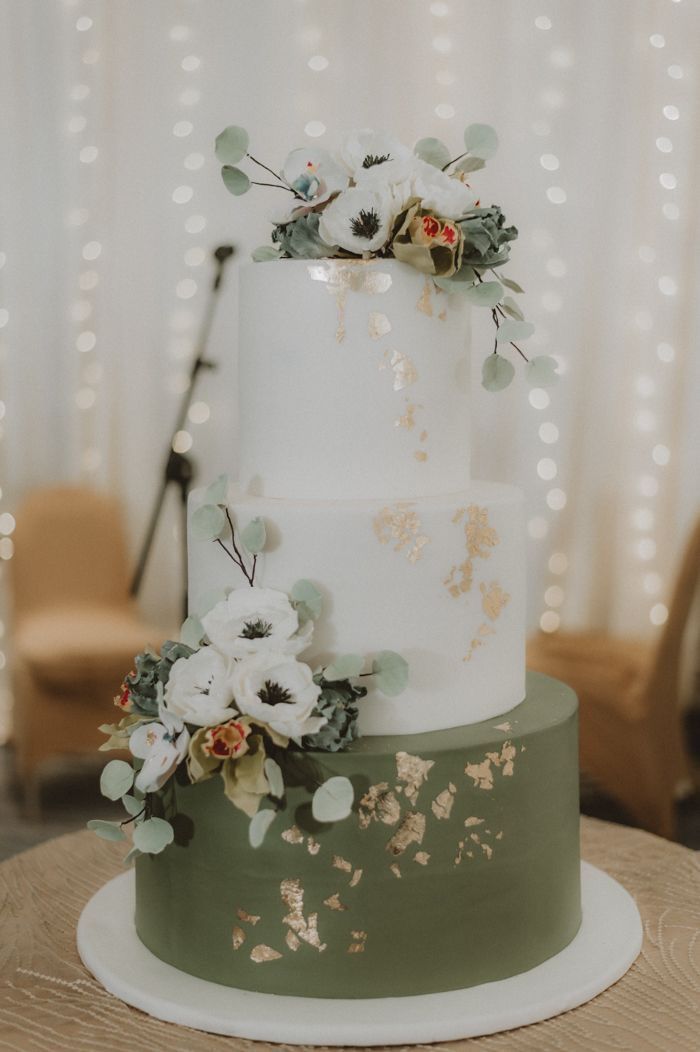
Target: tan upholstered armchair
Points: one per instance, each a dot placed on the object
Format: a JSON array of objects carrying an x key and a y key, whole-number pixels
[
  {"x": 76, "y": 630},
  {"x": 631, "y": 731}
]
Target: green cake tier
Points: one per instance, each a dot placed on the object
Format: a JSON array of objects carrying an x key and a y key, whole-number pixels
[{"x": 458, "y": 866}]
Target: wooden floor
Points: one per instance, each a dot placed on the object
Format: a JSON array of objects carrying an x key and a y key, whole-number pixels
[{"x": 70, "y": 796}]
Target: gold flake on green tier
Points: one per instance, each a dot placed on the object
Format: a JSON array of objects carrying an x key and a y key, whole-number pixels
[
  {"x": 442, "y": 804},
  {"x": 422, "y": 858},
  {"x": 292, "y": 941},
  {"x": 473, "y": 821},
  {"x": 505, "y": 727},
  {"x": 356, "y": 878},
  {"x": 262, "y": 953},
  {"x": 341, "y": 863},
  {"x": 247, "y": 918},
  {"x": 396, "y": 870},
  {"x": 379, "y": 805},
  {"x": 305, "y": 928},
  {"x": 333, "y": 902},
  {"x": 293, "y": 835},
  {"x": 410, "y": 831},
  {"x": 378, "y": 325},
  {"x": 482, "y": 773},
  {"x": 237, "y": 937},
  {"x": 412, "y": 771},
  {"x": 313, "y": 846},
  {"x": 358, "y": 945}
]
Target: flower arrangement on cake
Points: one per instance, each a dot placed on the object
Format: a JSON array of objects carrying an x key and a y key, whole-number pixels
[
  {"x": 232, "y": 698},
  {"x": 378, "y": 199}
]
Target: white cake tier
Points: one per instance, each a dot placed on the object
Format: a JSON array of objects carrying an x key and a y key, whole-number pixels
[
  {"x": 353, "y": 381},
  {"x": 441, "y": 580}
]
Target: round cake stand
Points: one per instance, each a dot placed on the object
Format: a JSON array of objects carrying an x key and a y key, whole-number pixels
[{"x": 607, "y": 943}]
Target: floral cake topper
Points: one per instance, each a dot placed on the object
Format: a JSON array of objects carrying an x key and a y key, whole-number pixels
[
  {"x": 233, "y": 698},
  {"x": 375, "y": 198}
]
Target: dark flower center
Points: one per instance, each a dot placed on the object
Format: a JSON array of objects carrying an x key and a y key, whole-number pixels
[
  {"x": 373, "y": 159},
  {"x": 256, "y": 629},
  {"x": 365, "y": 223},
  {"x": 274, "y": 694}
]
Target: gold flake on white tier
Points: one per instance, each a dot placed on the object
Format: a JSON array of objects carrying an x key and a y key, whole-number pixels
[
  {"x": 341, "y": 278},
  {"x": 262, "y": 953},
  {"x": 481, "y": 536},
  {"x": 405, "y": 372},
  {"x": 408, "y": 420},
  {"x": 493, "y": 599},
  {"x": 378, "y": 325},
  {"x": 425, "y": 303},
  {"x": 401, "y": 524},
  {"x": 478, "y": 640},
  {"x": 421, "y": 455}
]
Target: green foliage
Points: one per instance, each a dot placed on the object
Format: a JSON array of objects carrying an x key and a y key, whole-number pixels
[
  {"x": 235, "y": 180},
  {"x": 217, "y": 492},
  {"x": 486, "y": 238},
  {"x": 265, "y": 253},
  {"x": 153, "y": 836},
  {"x": 273, "y": 773},
  {"x": 132, "y": 805},
  {"x": 106, "y": 830},
  {"x": 496, "y": 372},
  {"x": 338, "y": 704},
  {"x": 512, "y": 308},
  {"x": 300, "y": 239},
  {"x": 513, "y": 330},
  {"x": 307, "y": 601},
  {"x": 151, "y": 674},
  {"x": 231, "y": 145},
  {"x": 208, "y": 523},
  {"x": 481, "y": 141},
  {"x": 116, "y": 779},
  {"x": 433, "y": 151},
  {"x": 390, "y": 672},
  {"x": 470, "y": 164},
  {"x": 332, "y": 801},
  {"x": 486, "y": 294},
  {"x": 209, "y": 600},
  {"x": 512, "y": 285},
  {"x": 192, "y": 632},
  {"x": 254, "y": 536},
  {"x": 542, "y": 371},
  {"x": 259, "y": 825},
  {"x": 343, "y": 667}
]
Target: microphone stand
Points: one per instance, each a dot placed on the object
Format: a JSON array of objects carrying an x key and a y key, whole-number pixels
[{"x": 178, "y": 468}]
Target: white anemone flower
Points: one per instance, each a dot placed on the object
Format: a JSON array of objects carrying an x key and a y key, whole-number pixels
[
  {"x": 359, "y": 220},
  {"x": 409, "y": 177},
  {"x": 250, "y": 620},
  {"x": 315, "y": 177},
  {"x": 161, "y": 746},
  {"x": 366, "y": 149},
  {"x": 278, "y": 690},
  {"x": 198, "y": 690}
]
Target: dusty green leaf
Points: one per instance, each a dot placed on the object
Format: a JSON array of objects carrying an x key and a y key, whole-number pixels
[
  {"x": 332, "y": 801},
  {"x": 496, "y": 372},
  {"x": 390, "y": 672},
  {"x": 344, "y": 667},
  {"x": 273, "y": 772},
  {"x": 254, "y": 536},
  {"x": 486, "y": 294},
  {"x": 192, "y": 632},
  {"x": 116, "y": 779},
  {"x": 106, "y": 830},
  {"x": 512, "y": 330},
  {"x": 433, "y": 151},
  {"x": 235, "y": 181},
  {"x": 153, "y": 836},
  {"x": 541, "y": 371},
  {"x": 481, "y": 140},
  {"x": 259, "y": 825},
  {"x": 307, "y": 600},
  {"x": 231, "y": 145}
]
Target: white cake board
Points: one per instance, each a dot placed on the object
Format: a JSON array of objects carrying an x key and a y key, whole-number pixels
[{"x": 607, "y": 943}]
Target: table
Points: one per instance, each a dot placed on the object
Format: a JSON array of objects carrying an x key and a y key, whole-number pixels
[{"x": 50, "y": 1003}]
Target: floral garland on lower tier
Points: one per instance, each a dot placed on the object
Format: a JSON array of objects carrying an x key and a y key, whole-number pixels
[
  {"x": 376, "y": 198},
  {"x": 233, "y": 698}
]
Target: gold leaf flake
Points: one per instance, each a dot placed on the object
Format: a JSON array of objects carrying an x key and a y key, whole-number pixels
[
  {"x": 410, "y": 831},
  {"x": 459, "y": 514},
  {"x": 293, "y": 835},
  {"x": 442, "y": 315},
  {"x": 412, "y": 771},
  {"x": 425, "y": 303},
  {"x": 421, "y": 455},
  {"x": 405, "y": 372},
  {"x": 396, "y": 870},
  {"x": 333, "y": 902},
  {"x": 488, "y": 851},
  {"x": 505, "y": 727},
  {"x": 480, "y": 536},
  {"x": 353, "y": 276},
  {"x": 400, "y": 523},
  {"x": 423, "y": 435},
  {"x": 452, "y": 787},
  {"x": 473, "y": 821},
  {"x": 305, "y": 928},
  {"x": 247, "y": 918},
  {"x": 260, "y": 954},
  {"x": 356, "y": 878},
  {"x": 499, "y": 835},
  {"x": 313, "y": 846},
  {"x": 481, "y": 774},
  {"x": 378, "y": 325},
  {"x": 358, "y": 946},
  {"x": 493, "y": 599},
  {"x": 442, "y": 804},
  {"x": 478, "y": 641},
  {"x": 422, "y": 858},
  {"x": 408, "y": 420},
  {"x": 460, "y": 852},
  {"x": 292, "y": 941},
  {"x": 342, "y": 863},
  {"x": 379, "y": 805},
  {"x": 459, "y": 579},
  {"x": 237, "y": 937},
  {"x": 475, "y": 837}
]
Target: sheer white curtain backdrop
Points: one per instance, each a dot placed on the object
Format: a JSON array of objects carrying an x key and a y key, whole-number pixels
[{"x": 111, "y": 203}]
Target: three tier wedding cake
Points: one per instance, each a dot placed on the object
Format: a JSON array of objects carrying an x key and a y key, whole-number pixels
[{"x": 345, "y": 785}]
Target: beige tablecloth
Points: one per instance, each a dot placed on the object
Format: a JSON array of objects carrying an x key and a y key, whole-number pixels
[{"x": 49, "y": 1002}]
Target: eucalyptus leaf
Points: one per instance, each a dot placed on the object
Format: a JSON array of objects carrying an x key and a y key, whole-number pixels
[
  {"x": 486, "y": 294},
  {"x": 259, "y": 825},
  {"x": 512, "y": 308},
  {"x": 132, "y": 805},
  {"x": 217, "y": 492},
  {"x": 307, "y": 600},
  {"x": 273, "y": 773},
  {"x": 512, "y": 329},
  {"x": 209, "y": 600},
  {"x": 116, "y": 779},
  {"x": 231, "y": 145},
  {"x": 207, "y": 523},
  {"x": 265, "y": 253},
  {"x": 131, "y": 855},
  {"x": 512, "y": 285},
  {"x": 481, "y": 141},
  {"x": 390, "y": 672},
  {"x": 541, "y": 371},
  {"x": 496, "y": 372},
  {"x": 192, "y": 632},
  {"x": 235, "y": 181},
  {"x": 344, "y": 667},
  {"x": 153, "y": 836},
  {"x": 106, "y": 830},
  {"x": 470, "y": 164},
  {"x": 332, "y": 801},
  {"x": 254, "y": 536},
  {"x": 433, "y": 151}
]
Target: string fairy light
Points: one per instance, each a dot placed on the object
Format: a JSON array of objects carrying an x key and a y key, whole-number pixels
[{"x": 442, "y": 43}]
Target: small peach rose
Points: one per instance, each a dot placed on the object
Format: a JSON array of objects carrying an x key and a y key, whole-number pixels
[{"x": 227, "y": 740}]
